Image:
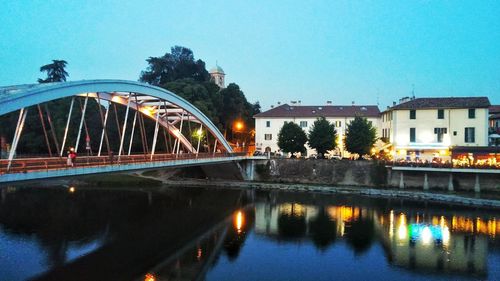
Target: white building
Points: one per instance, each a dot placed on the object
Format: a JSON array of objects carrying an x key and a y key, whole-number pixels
[
  {"x": 269, "y": 123},
  {"x": 425, "y": 128}
]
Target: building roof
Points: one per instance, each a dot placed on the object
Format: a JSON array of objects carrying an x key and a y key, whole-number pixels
[
  {"x": 217, "y": 69},
  {"x": 494, "y": 116},
  {"x": 450, "y": 102},
  {"x": 494, "y": 109},
  {"x": 315, "y": 111}
]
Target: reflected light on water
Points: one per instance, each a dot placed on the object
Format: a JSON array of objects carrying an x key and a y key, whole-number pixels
[
  {"x": 149, "y": 277},
  {"x": 446, "y": 235},
  {"x": 72, "y": 189},
  {"x": 199, "y": 253},
  {"x": 402, "y": 229},
  {"x": 239, "y": 221},
  {"x": 426, "y": 235}
]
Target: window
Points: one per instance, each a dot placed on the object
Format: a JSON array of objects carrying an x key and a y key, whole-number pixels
[
  {"x": 472, "y": 113},
  {"x": 454, "y": 133},
  {"x": 303, "y": 124},
  {"x": 268, "y": 136},
  {"x": 469, "y": 135},
  {"x": 413, "y": 135},
  {"x": 413, "y": 114},
  {"x": 440, "y": 132},
  {"x": 268, "y": 124},
  {"x": 338, "y": 124},
  {"x": 440, "y": 113}
]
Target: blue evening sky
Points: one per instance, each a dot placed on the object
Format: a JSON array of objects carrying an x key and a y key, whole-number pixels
[{"x": 311, "y": 51}]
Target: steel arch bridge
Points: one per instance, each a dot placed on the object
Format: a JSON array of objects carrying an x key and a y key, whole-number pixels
[{"x": 168, "y": 111}]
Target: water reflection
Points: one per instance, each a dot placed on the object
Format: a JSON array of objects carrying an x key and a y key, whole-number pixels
[
  {"x": 96, "y": 234},
  {"x": 197, "y": 234},
  {"x": 429, "y": 239}
]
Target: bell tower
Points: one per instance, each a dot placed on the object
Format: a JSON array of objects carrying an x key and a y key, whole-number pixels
[{"x": 217, "y": 76}]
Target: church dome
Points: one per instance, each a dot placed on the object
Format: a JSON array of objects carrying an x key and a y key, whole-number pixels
[{"x": 216, "y": 69}]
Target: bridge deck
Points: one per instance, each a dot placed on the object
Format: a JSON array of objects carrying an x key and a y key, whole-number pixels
[{"x": 41, "y": 168}]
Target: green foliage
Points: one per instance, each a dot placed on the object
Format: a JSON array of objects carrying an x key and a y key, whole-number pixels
[
  {"x": 178, "y": 64},
  {"x": 180, "y": 73},
  {"x": 360, "y": 136},
  {"x": 291, "y": 138},
  {"x": 55, "y": 72},
  {"x": 235, "y": 107},
  {"x": 322, "y": 136}
]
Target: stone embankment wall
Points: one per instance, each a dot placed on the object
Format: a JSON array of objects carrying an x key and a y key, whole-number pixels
[
  {"x": 368, "y": 173},
  {"x": 320, "y": 171}
]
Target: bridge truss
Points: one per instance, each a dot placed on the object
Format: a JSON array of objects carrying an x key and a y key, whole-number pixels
[{"x": 170, "y": 113}]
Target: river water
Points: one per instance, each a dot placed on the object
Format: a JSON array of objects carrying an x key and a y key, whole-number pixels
[{"x": 140, "y": 233}]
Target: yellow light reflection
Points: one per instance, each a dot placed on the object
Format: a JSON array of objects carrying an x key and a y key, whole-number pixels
[
  {"x": 402, "y": 229},
  {"x": 72, "y": 189},
  {"x": 446, "y": 235},
  {"x": 402, "y": 232},
  {"x": 239, "y": 221},
  {"x": 149, "y": 277},
  {"x": 391, "y": 224}
]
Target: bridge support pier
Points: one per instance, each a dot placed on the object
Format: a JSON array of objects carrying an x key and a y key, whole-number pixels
[
  {"x": 450, "y": 183},
  {"x": 477, "y": 187},
  {"x": 426, "y": 182},
  {"x": 401, "y": 180}
]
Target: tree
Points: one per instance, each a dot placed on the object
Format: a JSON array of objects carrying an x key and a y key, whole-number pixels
[
  {"x": 291, "y": 138},
  {"x": 360, "y": 136},
  {"x": 322, "y": 136},
  {"x": 55, "y": 72},
  {"x": 180, "y": 73},
  {"x": 178, "y": 64}
]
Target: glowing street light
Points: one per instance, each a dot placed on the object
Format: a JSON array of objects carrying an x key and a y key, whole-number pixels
[{"x": 238, "y": 125}]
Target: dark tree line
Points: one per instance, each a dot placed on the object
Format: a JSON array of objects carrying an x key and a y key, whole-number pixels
[{"x": 179, "y": 72}]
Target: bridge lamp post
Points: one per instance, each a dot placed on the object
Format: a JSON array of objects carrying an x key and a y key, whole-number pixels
[
  {"x": 199, "y": 135},
  {"x": 238, "y": 127}
]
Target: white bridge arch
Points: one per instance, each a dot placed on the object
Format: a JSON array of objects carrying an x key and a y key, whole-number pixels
[{"x": 154, "y": 102}]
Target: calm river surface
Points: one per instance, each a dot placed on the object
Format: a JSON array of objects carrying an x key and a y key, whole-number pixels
[{"x": 139, "y": 233}]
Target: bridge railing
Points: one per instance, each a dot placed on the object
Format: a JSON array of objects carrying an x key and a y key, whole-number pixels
[{"x": 24, "y": 165}]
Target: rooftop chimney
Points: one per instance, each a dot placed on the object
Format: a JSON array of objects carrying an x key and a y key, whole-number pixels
[{"x": 329, "y": 102}]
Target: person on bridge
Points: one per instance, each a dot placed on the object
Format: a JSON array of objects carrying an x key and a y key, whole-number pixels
[
  {"x": 69, "y": 161},
  {"x": 72, "y": 155}
]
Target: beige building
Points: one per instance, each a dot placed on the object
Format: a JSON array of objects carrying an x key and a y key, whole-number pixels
[
  {"x": 269, "y": 123},
  {"x": 425, "y": 128}
]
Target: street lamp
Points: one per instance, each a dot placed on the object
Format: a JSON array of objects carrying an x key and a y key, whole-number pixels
[{"x": 238, "y": 127}]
